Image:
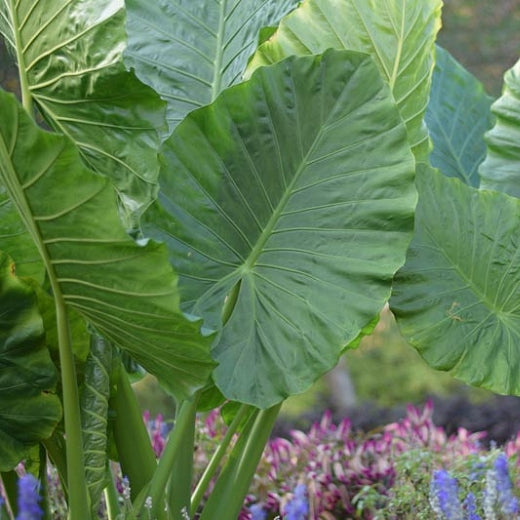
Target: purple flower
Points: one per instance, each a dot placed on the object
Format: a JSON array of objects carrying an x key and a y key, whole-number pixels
[
  {"x": 257, "y": 512},
  {"x": 470, "y": 507},
  {"x": 508, "y": 502},
  {"x": 29, "y": 498},
  {"x": 444, "y": 496},
  {"x": 298, "y": 507}
]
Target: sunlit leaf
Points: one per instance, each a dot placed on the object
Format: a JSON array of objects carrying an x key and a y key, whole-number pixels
[
  {"x": 70, "y": 60},
  {"x": 127, "y": 291},
  {"x": 399, "y": 35}
]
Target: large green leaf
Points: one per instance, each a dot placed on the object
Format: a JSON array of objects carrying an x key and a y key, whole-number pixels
[
  {"x": 501, "y": 168},
  {"x": 126, "y": 290},
  {"x": 15, "y": 239},
  {"x": 288, "y": 202},
  {"x": 29, "y": 410},
  {"x": 457, "y": 297},
  {"x": 398, "y": 34},
  {"x": 457, "y": 117},
  {"x": 70, "y": 58},
  {"x": 189, "y": 50}
]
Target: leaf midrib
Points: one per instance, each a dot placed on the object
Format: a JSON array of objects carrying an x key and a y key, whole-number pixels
[
  {"x": 271, "y": 223},
  {"x": 219, "y": 54}
]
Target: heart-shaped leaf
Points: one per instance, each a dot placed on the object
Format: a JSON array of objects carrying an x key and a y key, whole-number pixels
[
  {"x": 70, "y": 59},
  {"x": 457, "y": 117},
  {"x": 399, "y": 35},
  {"x": 29, "y": 410},
  {"x": 287, "y": 206},
  {"x": 190, "y": 50},
  {"x": 126, "y": 290},
  {"x": 501, "y": 168},
  {"x": 456, "y": 299}
]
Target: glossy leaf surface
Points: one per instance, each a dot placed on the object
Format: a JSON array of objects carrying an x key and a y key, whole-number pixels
[
  {"x": 501, "y": 169},
  {"x": 189, "y": 51},
  {"x": 457, "y": 117},
  {"x": 456, "y": 299},
  {"x": 29, "y": 410},
  {"x": 70, "y": 57},
  {"x": 126, "y": 290},
  {"x": 287, "y": 206},
  {"x": 399, "y": 36}
]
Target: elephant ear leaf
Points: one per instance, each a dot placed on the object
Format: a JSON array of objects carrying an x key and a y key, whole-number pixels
[
  {"x": 457, "y": 117},
  {"x": 398, "y": 35},
  {"x": 69, "y": 56},
  {"x": 456, "y": 298},
  {"x": 29, "y": 409},
  {"x": 206, "y": 50},
  {"x": 287, "y": 207},
  {"x": 126, "y": 290},
  {"x": 501, "y": 169}
]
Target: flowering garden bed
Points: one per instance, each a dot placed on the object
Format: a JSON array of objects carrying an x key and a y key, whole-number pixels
[{"x": 409, "y": 469}]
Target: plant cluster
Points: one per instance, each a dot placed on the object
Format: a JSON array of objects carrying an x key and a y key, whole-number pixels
[
  {"x": 226, "y": 194},
  {"x": 406, "y": 470}
]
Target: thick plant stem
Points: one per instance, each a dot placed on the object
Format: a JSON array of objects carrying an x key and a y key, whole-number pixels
[
  {"x": 181, "y": 475},
  {"x": 134, "y": 448},
  {"x": 217, "y": 457},
  {"x": 78, "y": 497},
  {"x": 111, "y": 498},
  {"x": 233, "y": 484},
  {"x": 183, "y": 424}
]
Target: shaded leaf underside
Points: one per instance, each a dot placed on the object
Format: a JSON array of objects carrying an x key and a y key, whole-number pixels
[
  {"x": 189, "y": 52},
  {"x": 29, "y": 410},
  {"x": 457, "y": 117}
]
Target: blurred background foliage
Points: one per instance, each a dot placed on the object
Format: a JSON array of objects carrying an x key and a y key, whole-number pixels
[{"x": 485, "y": 37}]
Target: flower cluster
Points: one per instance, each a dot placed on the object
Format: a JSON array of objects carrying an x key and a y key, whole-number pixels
[
  {"x": 495, "y": 489},
  {"x": 29, "y": 498},
  {"x": 345, "y": 474}
]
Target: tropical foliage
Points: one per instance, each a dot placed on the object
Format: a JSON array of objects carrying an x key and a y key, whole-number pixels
[{"x": 222, "y": 193}]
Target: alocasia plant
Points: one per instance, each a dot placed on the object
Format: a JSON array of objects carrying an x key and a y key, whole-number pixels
[{"x": 232, "y": 220}]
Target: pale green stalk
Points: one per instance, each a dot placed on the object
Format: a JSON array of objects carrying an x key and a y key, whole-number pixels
[
  {"x": 78, "y": 497},
  {"x": 217, "y": 457},
  {"x": 111, "y": 497},
  {"x": 232, "y": 486},
  {"x": 157, "y": 487}
]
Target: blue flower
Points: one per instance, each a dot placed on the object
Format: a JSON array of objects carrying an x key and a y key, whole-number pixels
[
  {"x": 470, "y": 507},
  {"x": 444, "y": 497},
  {"x": 508, "y": 502},
  {"x": 29, "y": 498},
  {"x": 298, "y": 507},
  {"x": 257, "y": 512}
]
